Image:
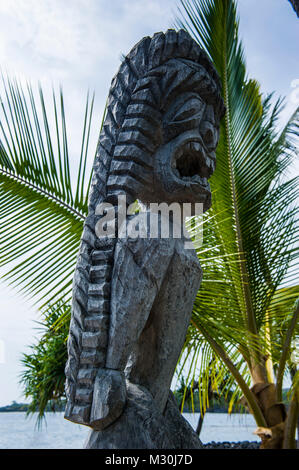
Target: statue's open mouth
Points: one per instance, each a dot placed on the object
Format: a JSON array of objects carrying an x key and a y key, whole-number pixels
[{"x": 191, "y": 161}]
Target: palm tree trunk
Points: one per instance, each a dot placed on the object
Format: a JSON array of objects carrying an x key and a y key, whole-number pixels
[
  {"x": 289, "y": 441},
  {"x": 202, "y": 415},
  {"x": 200, "y": 423},
  {"x": 293, "y": 370}
]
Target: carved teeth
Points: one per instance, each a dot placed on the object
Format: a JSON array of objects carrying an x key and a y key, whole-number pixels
[{"x": 192, "y": 163}]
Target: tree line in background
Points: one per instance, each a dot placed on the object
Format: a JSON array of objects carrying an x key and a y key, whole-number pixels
[{"x": 241, "y": 340}]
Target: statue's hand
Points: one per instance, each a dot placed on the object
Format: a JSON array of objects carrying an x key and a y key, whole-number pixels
[{"x": 109, "y": 398}]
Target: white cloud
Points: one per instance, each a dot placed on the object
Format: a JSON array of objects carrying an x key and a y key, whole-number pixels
[
  {"x": 57, "y": 37},
  {"x": 78, "y": 44}
]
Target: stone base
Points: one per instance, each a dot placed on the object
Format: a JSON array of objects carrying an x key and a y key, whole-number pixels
[{"x": 143, "y": 426}]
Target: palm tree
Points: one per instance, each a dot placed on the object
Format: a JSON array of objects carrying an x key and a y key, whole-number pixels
[
  {"x": 244, "y": 309},
  {"x": 42, "y": 205},
  {"x": 43, "y": 376},
  {"x": 42, "y": 209},
  {"x": 243, "y": 317}
]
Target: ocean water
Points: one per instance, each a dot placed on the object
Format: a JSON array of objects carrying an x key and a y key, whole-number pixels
[{"x": 19, "y": 432}]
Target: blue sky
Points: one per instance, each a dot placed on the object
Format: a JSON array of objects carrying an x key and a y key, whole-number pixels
[{"x": 79, "y": 44}]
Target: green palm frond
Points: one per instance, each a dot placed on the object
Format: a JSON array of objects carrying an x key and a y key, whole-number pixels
[
  {"x": 43, "y": 377},
  {"x": 250, "y": 234},
  {"x": 43, "y": 198}
]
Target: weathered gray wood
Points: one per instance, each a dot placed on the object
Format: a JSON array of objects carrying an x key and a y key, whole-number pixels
[
  {"x": 143, "y": 426},
  {"x": 109, "y": 398},
  {"x": 133, "y": 297}
]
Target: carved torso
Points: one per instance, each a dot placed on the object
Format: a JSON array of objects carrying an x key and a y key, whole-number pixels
[
  {"x": 172, "y": 277},
  {"x": 163, "y": 337}
]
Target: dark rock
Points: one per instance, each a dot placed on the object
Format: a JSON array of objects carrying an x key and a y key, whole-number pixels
[{"x": 232, "y": 445}]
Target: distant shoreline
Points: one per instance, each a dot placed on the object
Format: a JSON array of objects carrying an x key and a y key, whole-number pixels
[
  {"x": 218, "y": 405},
  {"x": 24, "y": 407}
]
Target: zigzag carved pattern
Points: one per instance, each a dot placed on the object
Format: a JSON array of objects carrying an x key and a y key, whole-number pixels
[{"x": 91, "y": 293}]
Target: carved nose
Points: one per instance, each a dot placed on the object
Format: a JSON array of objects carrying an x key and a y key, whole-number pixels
[{"x": 208, "y": 137}]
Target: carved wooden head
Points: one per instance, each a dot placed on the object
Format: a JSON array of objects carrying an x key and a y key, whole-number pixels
[{"x": 162, "y": 125}]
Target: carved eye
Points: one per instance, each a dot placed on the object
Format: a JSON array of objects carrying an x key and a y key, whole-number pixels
[
  {"x": 192, "y": 108},
  {"x": 184, "y": 114}
]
